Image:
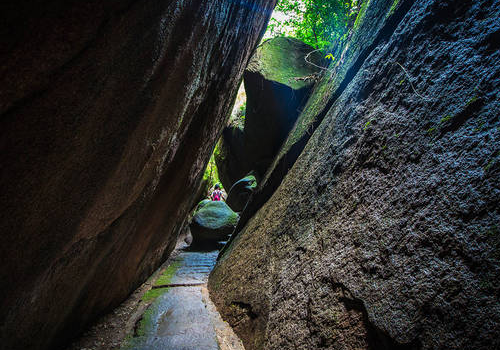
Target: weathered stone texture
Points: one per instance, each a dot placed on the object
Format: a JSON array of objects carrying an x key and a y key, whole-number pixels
[
  {"x": 392, "y": 209},
  {"x": 109, "y": 112}
]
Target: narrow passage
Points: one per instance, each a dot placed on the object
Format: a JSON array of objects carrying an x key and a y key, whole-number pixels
[{"x": 183, "y": 316}]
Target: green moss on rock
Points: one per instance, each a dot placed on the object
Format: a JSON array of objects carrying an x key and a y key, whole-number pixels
[
  {"x": 283, "y": 60},
  {"x": 215, "y": 214},
  {"x": 214, "y": 221}
]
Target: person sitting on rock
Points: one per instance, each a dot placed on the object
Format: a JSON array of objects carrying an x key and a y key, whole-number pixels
[{"x": 216, "y": 194}]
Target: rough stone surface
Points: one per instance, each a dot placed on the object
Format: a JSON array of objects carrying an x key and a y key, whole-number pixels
[
  {"x": 240, "y": 192},
  {"x": 374, "y": 24},
  {"x": 385, "y": 232},
  {"x": 277, "y": 82},
  {"x": 214, "y": 220},
  {"x": 109, "y": 112}
]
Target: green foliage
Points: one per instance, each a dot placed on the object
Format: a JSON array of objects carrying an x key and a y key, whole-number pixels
[
  {"x": 211, "y": 173},
  {"x": 368, "y": 123},
  {"x": 361, "y": 14},
  {"x": 316, "y": 22},
  {"x": 243, "y": 108},
  {"x": 330, "y": 57},
  {"x": 237, "y": 118}
]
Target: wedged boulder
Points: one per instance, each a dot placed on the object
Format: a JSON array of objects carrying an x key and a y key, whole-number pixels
[
  {"x": 384, "y": 234},
  {"x": 109, "y": 110},
  {"x": 213, "y": 221},
  {"x": 240, "y": 192},
  {"x": 278, "y": 81}
]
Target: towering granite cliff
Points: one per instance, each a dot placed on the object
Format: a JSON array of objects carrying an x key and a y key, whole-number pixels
[
  {"x": 109, "y": 111},
  {"x": 385, "y": 232}
]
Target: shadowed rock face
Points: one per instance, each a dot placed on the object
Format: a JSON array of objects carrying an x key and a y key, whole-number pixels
[
  {"x": 109, "y": 111},
  {"x": 384, "y": 234},
  {"x": 231, "y": 158}
]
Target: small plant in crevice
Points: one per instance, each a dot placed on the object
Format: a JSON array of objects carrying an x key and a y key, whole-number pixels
[
  {"x": 471, "y": 100},
  {"x": 492, "y": 161},
  {"x": 330, "y": 57},
  {"x": 431, "y": 131},
  {"x": 368, "y": 123},
  {"x": 446, "y": 118}
]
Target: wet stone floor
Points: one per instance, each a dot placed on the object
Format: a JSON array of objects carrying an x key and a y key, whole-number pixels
[{"x": 182, "y": 317}]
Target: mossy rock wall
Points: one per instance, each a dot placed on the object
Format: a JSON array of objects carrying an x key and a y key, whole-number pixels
[{"x": 384, "y": 233}]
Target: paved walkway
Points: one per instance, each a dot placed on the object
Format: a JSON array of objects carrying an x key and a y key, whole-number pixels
[{"x": 184, "y": 318}]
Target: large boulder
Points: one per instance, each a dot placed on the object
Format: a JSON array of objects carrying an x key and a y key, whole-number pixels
[
  {"x": 240, "y": 192},
  {"x": 109, "y": 110},
  {"x": 278, "y": 81},
  {"x": 213, "y": 221},
  {"x": 384, "y": 233}
]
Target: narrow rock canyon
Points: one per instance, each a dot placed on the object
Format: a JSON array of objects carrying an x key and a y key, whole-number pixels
[{"x": 362, "y": 178}]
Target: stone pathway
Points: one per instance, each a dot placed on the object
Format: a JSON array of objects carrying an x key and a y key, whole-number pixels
[{"x": 184, "y": 318}]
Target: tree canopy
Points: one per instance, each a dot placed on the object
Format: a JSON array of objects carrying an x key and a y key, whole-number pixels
[{"x": 316, "y": 22}]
